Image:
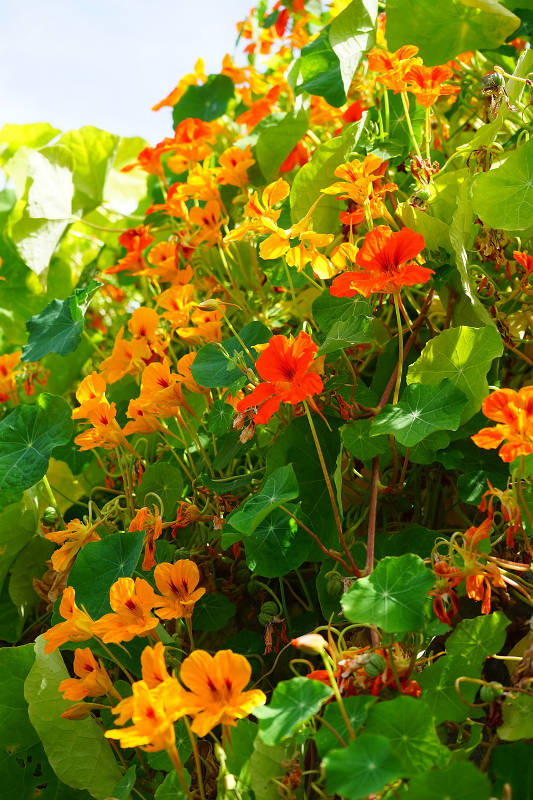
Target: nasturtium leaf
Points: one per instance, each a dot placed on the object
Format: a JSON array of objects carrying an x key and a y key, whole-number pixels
[
  {"x": 356, "y": 439},
  {"x": 320, "y": 71},
  {"x": 512, "y": 763},
  {"x": 351, "y": 34},
  {"x": 164, "y": 480},
  {"x": 357, "y": 711},
  {"x": 438, "y": 687},
  {"x": 243, "y": 735},
  {"x": 27, "y": 437},
  {"x": 445, "y": 29},
  {"x": 93, "y": 151},
  {"x": 276, "y": 546},
  {"x": 392, "y": 596},
  {"x": 279, "y": 487},
  {"x": 58, "y": 328},
  {"x": 293, "y": 702},
  {"x": 208, "y": 101},
  {"x": 220, "y": 417},
  {"x": 78, "y": 752},
  {"x": 409, "y": 539},
  {"x": 460, "y": 781},
  {"x": 13, "y": 137},
  {"x": 478, "y": 638},
  {"x": 464, "y": 355},
  {"x": 503, "y": 197},
  {"x": 426, "y": 451},
  {"x": 29, "y": 563},
  {"x": 212, "y": 612},
  {"x": 171, "y": 788},
  {"x": 18, "y": 524},
  {"x": 279, "y": 134},
  {"x": 295, "y": 446},
  {"x": 421, "y": 410},
  {"x": 318, "y": 173},
  {"x": 517, "y": 718},
  {"x": 264, "y": 769},
  {"x": 211, "y": 368},
  {"x": 327, "y": 308},
  {"x": 16, "y": 731},
  {"x": 99, "y": 564},
  {"x": 124, "y": 786},
  {"x": 408, "y": 725},
  {"x": 353, "y": 326},
  {"x": 362, "y": 768}
]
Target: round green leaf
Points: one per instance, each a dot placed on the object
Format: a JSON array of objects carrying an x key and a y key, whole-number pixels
[
  {"x": 477, "y": 638},
  {"x": 503, "y": 197},
  {"x": 279, "y": 487},
  {"x": 421, "y": 411},
  {"x": 208, "y": 101},
  {"x": 167, "y": 482},
  {"x": 293, "y": 703},
  {"x": 517, "y": 718},
  {"x": 392, "y": 597},
  {"x": 438, "y": 687},
  {"x": 211, "y": 368},
  {"x": 27, "y": 437},
  {"x": 212, "y": 612},
  {"x": 463, "y": 355},
  {"x": 276, "y": 546},
  {"x": 461, "y": 781},
  {"x": 357, "y": 710},
  {"x": 99, "y": 565},
  {"x": 408, "y": 725},
  {"x": 362, "y": 768}
]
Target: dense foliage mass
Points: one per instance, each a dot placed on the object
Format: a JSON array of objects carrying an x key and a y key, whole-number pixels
[{"x": 266, "y": 442}]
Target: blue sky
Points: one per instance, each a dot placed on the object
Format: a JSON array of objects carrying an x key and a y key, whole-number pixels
[{"x": 106, "y": 62}]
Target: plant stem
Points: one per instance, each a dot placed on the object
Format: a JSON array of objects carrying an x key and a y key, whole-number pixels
[
  {"x": 176, "y": 761},
  {"x": 337, "y": 694},
  {"x": 331, "y": 493},
  {"x": 330, "y": 553},
  {"x": 400, "y": 350},
  {"x": 197, "y": 762},
  {"x": 371, "y": 535},
  {"x": 52, "y": 499},
  {"x": 405, "y": 102}
]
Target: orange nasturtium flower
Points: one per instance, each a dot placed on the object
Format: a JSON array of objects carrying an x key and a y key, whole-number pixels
[
  {"x": 385, "y": 264},
  {"x": 286, "y": 366},
  {"x": 73, "y": 539},
  {"x": 427, "y": 84},
  {"x": 151, "y": 523},
  {"x": 131, "y": 602},
  {"x": 393, "y": 67},
  {"x": 513, "y": 411},
  {"x": 525, "y": 261},
  {"x": 234, "y": 163},
  {"x": 105, "y": 431},
  {"x": 361, "y": 181},
  {"x": 153, "y": 712},
  {"x": 216, "y": 684},
  {"x": 127, "y": 358},
  {"x": 78, "y": 625},
  {"x": 8, "y": 383},
  {"x": 177, "y": 583},
  {"x": 135, "y": 241},
  {"x": 92, "y": 681},
  {"x": 89, "y": 394}
]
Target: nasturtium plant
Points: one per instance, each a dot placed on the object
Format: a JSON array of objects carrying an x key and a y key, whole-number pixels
[{"x": 266, "y": 422}]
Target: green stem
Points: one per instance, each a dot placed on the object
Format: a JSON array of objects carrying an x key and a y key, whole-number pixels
[
  {"x": 405, "y": 102},
  {"x": 400, "y": 350},
  {"x": 176, "y": 761},
  {"x": 52, "y": 499},
  {"x": 336, "y": 692},
  {"x": 197, "y": 762},
  {"x": 428, "y": 136}
]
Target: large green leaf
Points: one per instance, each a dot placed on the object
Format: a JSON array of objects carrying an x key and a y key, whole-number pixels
[
  {"x": 517, "y": 718},
  {"x": 464, "y": 355},
  {"x": 293, "y": 702},
  {"x": 353, "y": 326},
  {"x": 438, "y": 687},
  {"x": 99, "y": 565},
  {"x": 362, "y": 768},
  {"x": 208, "y": 101},
  {"x": 392, "y": 596},
  {"x": 29, "y": 564},
  {"x": 35, "y": 134},
  {"x": 93, "y": 151},
  {"x": 78, "y": 752},
  {"x": 408, "y": 725},
  {"x": 512, "y": 763},
  {"x": 356, "y": 438},
  {"x": 279, "y": 487},
  {"x": 279, "y": 134},
  {"x": 171, "y": 788},
  {"x": 276, "y": 546},
  {"x": 478, "y": 638},
  {"x": 503, "y": 197},
  {"x": 445, "y": 29},
  {"x": 421, "y": 411},
  {"x": 351, "y": 34},
  {"x": 319, "y": 173},
  {"x": 18, "y": 524},
  {"x": 461, "y": 781},
  {"x": 212, "y": 612},
  {"x": 164, "y": 480},
  {"x": 320, "y": 71},
  {"x": 211, "y": 368},
  {"x": 59, "y": 327},
  {"x": 264, "y": 769},
  {"x": 27, "y": 437},
  {"x": 357, "y": 711}
]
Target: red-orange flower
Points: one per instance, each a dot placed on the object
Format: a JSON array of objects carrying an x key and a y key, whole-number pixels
[
  {"x": 8, "y": 369},
  {"x": 393, "y": 67},
  {"x": 427, "y": 84},
  {"x": 514, "y": 413},
  {"x": 177, "y": 583},
  {"x": 385, "y": 262},
  {"x": 92, "y": 680},
  {"x": 78, "y": 625},
  {"x": 73, "y": 539},
  {"x": 151, "y": 523},
  {"x": 525, "y": 261},
  {"x": 132, "y": 602},
  {"x": 286, "y": 368}
]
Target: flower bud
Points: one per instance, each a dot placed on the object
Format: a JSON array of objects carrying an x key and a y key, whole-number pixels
[
  {"x": 49, "y": 516},
  {"x": 334, "y": 585},
  {"x": 310, "y": 643},
  {"x": 490, "y": 691}
]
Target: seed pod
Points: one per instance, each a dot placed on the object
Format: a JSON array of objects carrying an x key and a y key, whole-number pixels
[
  {"x": 49, "y": 516},
  {"x": 270, "y": 607},
  {"x": 264, "y": 619},
  {"x": 334, "y": 585},
  {"x": 490, "y": 691},
  {"x": 375, "y": 665}
]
